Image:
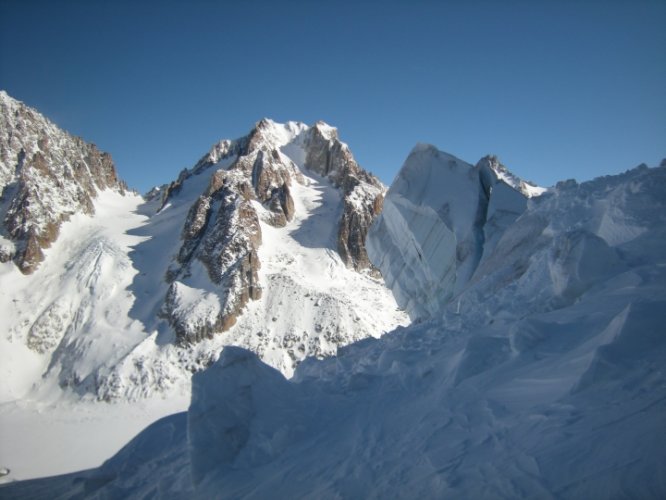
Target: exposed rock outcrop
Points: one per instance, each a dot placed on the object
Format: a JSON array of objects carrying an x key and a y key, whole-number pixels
[
  {"x": 251, "y": 179},
  {"x": 223, "y": 234},
  {"x": 363, "y": 194},
  {"x": 491, "y": 170},
  {"x": 222, "y": 231},
  {"x": 46, "y": 175}
]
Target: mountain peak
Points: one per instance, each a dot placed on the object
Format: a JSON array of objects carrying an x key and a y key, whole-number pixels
[
  {"x": 491, "y": 163},
  {"x": 328, "y": 131},
  {"x": 423, "y": 153},
  {"x": 245, "y": 188},
  {"x": 46, "y": 175},
  {"x": 464, "y": 206},
  {"x": 281, "y": 131}
]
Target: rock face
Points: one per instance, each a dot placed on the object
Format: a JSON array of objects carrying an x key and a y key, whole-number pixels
[
  {"x": 46, "y": 175},
  {"x": 441, "y": 217},
  {"x": 226, "y": 245},
  {"x": 222, "y": 231},
  {"x": 251, "y": 179},
  {"x": 363, "y": 193}
]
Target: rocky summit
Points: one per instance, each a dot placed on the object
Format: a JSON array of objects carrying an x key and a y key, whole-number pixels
[{"x": 251, "y": 179}]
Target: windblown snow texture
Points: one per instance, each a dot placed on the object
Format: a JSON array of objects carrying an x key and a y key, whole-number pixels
[{"x": 542, "y": 378}]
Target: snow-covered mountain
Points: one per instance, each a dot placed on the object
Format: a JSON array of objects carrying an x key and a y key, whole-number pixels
[
  {"x": 253, "y": 180},
  {"x": 46, "y": 176},
  {"x": 538, "y": 374},
  {"x": 261, "y": 244}
]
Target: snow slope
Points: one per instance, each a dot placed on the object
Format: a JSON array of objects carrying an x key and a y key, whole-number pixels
[
  {"x": 311, "y": 302},
  {"x": 546, "y": 381},
  {"x": 81, "y": 287}
]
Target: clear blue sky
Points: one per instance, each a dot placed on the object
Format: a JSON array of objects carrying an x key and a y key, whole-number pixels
[{"x": 556, "y": 89}]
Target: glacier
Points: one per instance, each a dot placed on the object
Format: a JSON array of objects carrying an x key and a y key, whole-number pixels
[
  {"x": 441, "y": 216},
  {"x": 535, "y": 369}
]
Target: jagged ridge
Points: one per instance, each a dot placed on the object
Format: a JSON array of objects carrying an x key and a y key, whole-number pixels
[
  {"x": 222, "y": 230},
  {"x": 46, "y": 175}
]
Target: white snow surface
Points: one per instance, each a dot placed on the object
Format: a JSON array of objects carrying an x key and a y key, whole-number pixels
[
  {"x": 73, "y": 310},
  {"x": 45, "y": 439},
  {"x": 543, "y": 378},
  {"x": 311, "y": 301}
]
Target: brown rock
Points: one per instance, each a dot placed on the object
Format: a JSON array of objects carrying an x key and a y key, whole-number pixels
[
  {"x": 46, "y": 175},
  {"x": 329, "y": 157},
  {"x": 227, "y": 247}
]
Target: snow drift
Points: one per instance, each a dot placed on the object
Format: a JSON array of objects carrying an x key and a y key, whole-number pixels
[{"x": 541, "y": 378}]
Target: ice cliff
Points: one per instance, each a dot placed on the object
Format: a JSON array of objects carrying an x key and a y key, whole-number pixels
[{"x": 440, "y": 217}]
